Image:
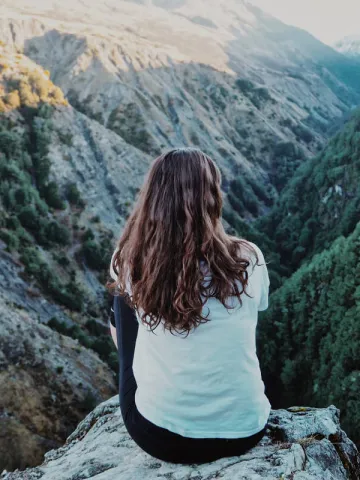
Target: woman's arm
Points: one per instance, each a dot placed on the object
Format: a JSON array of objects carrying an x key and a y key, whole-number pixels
[{"x": 112, "y": 326}]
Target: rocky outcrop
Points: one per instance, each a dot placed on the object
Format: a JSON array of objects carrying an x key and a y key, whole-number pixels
[{"x": 301, "y": 443}]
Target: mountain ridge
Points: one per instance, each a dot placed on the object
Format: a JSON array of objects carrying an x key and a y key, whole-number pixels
[{"x": 349, "y": 46}]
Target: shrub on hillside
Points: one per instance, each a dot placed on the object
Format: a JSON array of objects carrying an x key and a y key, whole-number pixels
[
  {"x": 51, "y": 194},
  {"x": 12, "y": 100},
  {"x": 10, "y": 238},
  {"x": 93, "y": 254},
  {"x": 30, "y": 218},
  {"x": 57, "y": 233},
  {"x": 73, "y": 195},
  {"x": 303, "y": 133},
  {"x": 244, "y": 85}
]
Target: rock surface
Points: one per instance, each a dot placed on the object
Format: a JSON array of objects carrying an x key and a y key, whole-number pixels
[{"x": 301, "y": 443}]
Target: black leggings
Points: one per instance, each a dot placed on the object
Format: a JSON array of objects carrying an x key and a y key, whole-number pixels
[{"x": 157, "y": 441}]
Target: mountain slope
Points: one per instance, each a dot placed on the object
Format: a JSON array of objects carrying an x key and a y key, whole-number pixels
[
  {"x": 309, "y": 337},
  {"x": 64, "y": 177},
  {"x": 48, "y": 382},
  {"x": 61, "y": 174},
  {"x": 254, "y": 93},
  {"x": 320, "y": 203}
]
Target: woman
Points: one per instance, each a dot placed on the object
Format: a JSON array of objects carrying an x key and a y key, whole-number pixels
[{"x": 186, "y": 297}]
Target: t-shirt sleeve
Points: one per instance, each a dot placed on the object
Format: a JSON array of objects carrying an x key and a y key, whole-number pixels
[
  {"x": 265, "y": 284},
  {"x": 261, "y": 279}
]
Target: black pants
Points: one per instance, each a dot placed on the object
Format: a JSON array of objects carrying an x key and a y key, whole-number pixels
[{"x": 157, "y": 441}]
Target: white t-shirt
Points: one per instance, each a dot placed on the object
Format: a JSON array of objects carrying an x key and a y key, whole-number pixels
[{"x": 209, "y": 384}]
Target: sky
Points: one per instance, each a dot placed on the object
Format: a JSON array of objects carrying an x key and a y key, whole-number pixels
[{"x": 328, "y": 20}]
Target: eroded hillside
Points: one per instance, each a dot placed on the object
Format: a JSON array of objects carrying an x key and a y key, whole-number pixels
[
  {"x": 48, "y": 382},
  {"x": 254, "y": 93},
  {"x": 61, "y": 178}
]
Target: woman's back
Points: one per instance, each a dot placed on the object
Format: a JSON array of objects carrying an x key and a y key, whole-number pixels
[{"x": 207, "y": 384}]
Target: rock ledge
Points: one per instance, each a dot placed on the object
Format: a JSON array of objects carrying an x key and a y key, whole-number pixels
[{"x": 301, "y": 443}]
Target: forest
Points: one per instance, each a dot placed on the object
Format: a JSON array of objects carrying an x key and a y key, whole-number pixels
[{"x": 308, "y": 339}]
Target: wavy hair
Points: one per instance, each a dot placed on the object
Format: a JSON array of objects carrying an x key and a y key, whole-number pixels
[{"x": 176, "y": 223}]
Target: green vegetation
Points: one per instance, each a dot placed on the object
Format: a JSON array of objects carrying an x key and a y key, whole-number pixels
[
  {"x": 320, "y": 203},
  {"x": 94, "y": 335},
  {"x": 73, "y": 195},
  {"x": 219, "y": 96},
  {"x": 96, "y": 254},
  {"x": 286, "y": 158},
  {"x": 30, "y": 203},
  {"x": 309, "y": 336},
  {"x": 239, "y": 226},
  {"x": 89, "y": 402},
  {"x": 259, "y": 96},
  {"x": 242, "y": 196},
  {"x": 25, "y": 191},
  {"x": 245, "y": 86},
  {"x": 128, "y": 122},
  {"x": 70, "y": 295},
  {"x": 302, "y": 133},
  {"x": 245, "y": 195},
  {"x": 84, "y": 107},
  {"x": 40, "y": 221}
]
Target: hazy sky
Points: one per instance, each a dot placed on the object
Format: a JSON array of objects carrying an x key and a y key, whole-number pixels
[{"x": 328, "y": 20}]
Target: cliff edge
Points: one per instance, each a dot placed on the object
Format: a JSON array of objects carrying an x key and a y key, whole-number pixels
[{"x": 301, "y": 443}]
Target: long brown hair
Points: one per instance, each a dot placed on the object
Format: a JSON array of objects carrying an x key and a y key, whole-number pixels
[{"x": 175, "y": 223}]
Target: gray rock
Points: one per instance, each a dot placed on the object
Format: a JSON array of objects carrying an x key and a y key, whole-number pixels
[{"x": 301, "y": 443}]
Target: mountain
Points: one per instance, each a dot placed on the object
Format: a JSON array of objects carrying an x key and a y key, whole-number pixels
[
  {"x": 254, "y": 93},
  {"x": 349, "y": 46}
]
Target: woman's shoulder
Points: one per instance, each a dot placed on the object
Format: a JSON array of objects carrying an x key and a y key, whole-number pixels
[
  {"x": 248, "y": 249},
  {"x": 256, "y": 248}
]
